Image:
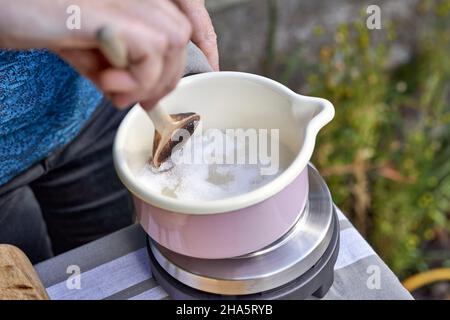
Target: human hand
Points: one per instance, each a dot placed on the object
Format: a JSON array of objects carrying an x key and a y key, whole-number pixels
[{"x": 155, "y": 34}]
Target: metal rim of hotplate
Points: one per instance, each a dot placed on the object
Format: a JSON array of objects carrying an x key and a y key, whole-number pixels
[
  {"x": 294, "y": 254},
  {"x": 314, "y": 283}
]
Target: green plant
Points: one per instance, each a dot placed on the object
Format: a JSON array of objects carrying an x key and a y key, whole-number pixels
[{"x": 386, "y": 155}]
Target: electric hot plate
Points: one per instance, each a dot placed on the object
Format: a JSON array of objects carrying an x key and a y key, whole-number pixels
[{"x": 296, "y": 266}]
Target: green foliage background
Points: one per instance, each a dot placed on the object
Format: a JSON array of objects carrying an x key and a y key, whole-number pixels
[{"x": 386, "y": 155}]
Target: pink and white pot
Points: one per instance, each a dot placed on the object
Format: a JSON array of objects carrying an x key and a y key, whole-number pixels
[{"x": 238, "y": 225}]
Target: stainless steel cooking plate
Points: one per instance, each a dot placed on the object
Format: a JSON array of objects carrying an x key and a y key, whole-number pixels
[{"x": 287, "y": 259}]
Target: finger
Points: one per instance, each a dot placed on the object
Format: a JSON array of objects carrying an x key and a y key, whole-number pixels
[
  {"x": 182, "y": 32},
  {"x": 94, "y": 66},
  {"x": 84, "y": 60},
  {"x": 173, "y": 71},
  {"x": 123, "y": 98},
  {"x": 203, "y": 34},
  {"x": 122, "y": 101},
  {"x": 146, "y": 56},
  {"x": 116, "y": 81},
  {"x": 167, "y": 18}
]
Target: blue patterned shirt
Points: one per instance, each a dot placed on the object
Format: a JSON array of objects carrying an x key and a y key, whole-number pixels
[{"x": 43, "y": 105}]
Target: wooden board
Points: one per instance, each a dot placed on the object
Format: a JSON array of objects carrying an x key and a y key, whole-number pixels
[{"x": 18, "y": 279}]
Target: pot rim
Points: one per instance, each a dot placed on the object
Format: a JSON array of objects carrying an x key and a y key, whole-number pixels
[{"x": 324, "y": 116}]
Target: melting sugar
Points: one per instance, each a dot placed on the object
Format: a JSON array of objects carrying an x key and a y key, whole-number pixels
[{"x": 206, "y": 168}]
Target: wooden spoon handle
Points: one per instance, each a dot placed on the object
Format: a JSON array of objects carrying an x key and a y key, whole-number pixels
[
  {"x": 112, "y": 47},
  {"x": 161, "y": 119}
]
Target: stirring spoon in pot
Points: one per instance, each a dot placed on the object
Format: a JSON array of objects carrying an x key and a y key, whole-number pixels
[{"x": 166, "y": 126}]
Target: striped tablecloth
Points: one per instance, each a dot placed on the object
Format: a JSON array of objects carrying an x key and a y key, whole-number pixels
[{"x": 117, "y": 267}]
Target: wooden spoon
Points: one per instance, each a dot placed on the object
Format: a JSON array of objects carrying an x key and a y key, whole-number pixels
[{"x": 166, "y": 126}]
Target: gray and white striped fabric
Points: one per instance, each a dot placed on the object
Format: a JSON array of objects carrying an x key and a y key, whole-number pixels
[{"x": 117, "y": 267}]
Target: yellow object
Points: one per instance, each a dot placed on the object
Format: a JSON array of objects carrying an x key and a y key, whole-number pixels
[{"x": 425, "y": 278}]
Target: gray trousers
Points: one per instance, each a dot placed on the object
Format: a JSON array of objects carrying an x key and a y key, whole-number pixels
[{"x": 70, "y": 198}]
